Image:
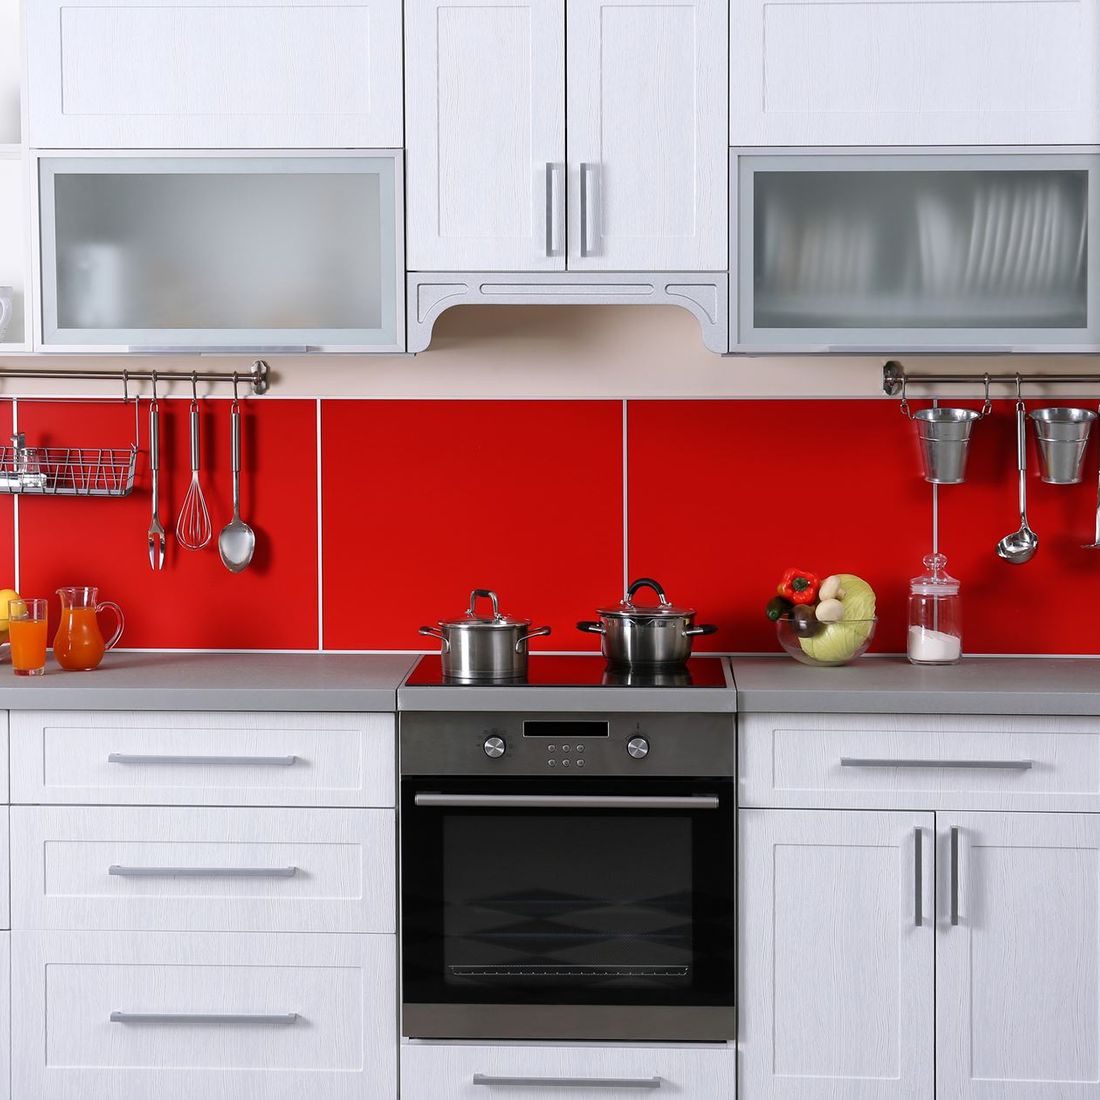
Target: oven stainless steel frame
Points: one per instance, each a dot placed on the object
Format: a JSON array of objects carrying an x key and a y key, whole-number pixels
[{"x": 568, "y": 876}]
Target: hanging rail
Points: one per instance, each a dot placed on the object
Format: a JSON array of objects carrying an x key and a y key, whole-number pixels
[
  {"x": 258, "y": 376},
  {"x": 895, "y": 378}
]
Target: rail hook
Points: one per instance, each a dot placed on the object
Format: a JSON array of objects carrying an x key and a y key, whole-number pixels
[{"x": 987, "y": 405}]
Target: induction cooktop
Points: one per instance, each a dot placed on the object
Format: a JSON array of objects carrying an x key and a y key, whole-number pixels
[{"x": 582, "y": 670}]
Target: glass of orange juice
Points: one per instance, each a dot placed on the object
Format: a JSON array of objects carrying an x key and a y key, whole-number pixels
[{"x": 27, "y": 621}]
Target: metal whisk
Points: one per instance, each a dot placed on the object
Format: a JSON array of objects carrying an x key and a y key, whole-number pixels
[{"x": 193, "y": 530}]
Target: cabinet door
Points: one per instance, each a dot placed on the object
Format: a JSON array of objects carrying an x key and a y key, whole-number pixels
[
  {"x": 186, "y": 74},
  {"x": 1018, "y": 975},
  {"x": 485, "y": 106},
  {"x": 914, "y": 72},
  {"x": 647, "y": 119},
  {"x": 836, "y": 950}
]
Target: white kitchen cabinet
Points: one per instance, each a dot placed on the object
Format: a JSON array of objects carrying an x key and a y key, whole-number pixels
[
  {"x": 486, "y": 117},
  {"x": 1018, "y": 975},
  {"x": 5, "y": 1015},
  {"x": 14, "y": 251},
  {"x": 514, "y": 1071},
  {"x": 223, "y": 1016},
  {"x": 914, "y": 72},
  {"x": 836, "y": 955},
  {"x": 203, "y": 869},
  {"x": 176, "y": 74},
  {"x": 212, "y": 759},
  {"x": 646, "y": 101}
]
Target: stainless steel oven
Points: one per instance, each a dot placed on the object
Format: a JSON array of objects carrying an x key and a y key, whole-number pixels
[{"x": 567, "y": 877}]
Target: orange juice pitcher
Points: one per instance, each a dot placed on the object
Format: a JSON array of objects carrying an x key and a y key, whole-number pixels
[{"x": 78, "y": 645}]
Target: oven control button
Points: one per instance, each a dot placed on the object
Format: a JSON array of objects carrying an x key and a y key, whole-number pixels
[
  {"x": 565, "y": 763},
  {"x": 551, "y": 763},
  {"x": 580, "y": 763},
  {"x": 638, "y": 747},
  {"x": 580, "y": 748},
  {"x": 565, "y": 748},
  {"x": 494, "y": 747}
]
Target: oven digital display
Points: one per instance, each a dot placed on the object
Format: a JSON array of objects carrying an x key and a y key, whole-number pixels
[{"x": 558, "y": 731}]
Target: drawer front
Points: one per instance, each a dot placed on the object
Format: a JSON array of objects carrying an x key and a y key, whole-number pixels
[
  {"x": 159, "y": 758},
  {"x": 199, "y": 869},
  {"x": 436, "y": 1071},
  {"x": 177, "y": 1016},
  {"x": 938, "y": 761},
  {"x": 5, "y": 1015}
]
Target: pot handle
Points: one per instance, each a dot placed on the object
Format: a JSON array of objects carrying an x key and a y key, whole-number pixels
[
  {"x": 485, "y": 594},
  {"x": 435, "y": 632},
  {"x": 589, "y": 627},
  {"x": 706, "y": 628},
  {"x": 646, "y": 582},
  {"x": 538, "y": 632}
]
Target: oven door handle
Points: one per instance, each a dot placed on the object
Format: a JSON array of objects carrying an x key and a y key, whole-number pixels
[
  {"x": 568, "y": 1082},
  {"x": 568, "y": 801}
]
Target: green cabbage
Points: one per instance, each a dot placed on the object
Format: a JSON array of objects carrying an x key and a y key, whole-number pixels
[{"x": 839, "y": 642}]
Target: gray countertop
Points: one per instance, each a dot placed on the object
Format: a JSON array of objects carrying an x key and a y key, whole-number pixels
[
  {"x": 215, "y": 681},
  {"x": 883, "y": 685}
]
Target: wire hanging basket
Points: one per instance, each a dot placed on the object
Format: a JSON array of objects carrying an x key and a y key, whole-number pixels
[{"x": 67, "y": 471}]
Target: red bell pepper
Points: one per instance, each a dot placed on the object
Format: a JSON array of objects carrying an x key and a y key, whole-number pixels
[{"x": 799, "y": 586}]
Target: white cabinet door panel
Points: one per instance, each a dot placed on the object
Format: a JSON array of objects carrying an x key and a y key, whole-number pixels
[
  {"x": 237, "y": 74},
  {"x": 204, "y": 869},
  {"x": 836, "y": 974},
  {"x": 914, "y": 72},
  {"x": 1018, "y": 977},
  {"x": 486, "y": 135},
  {"x": 646, "y": 108},
  {"x": 438, "y": 1071},
  {"x": 309, "y": 1016},
  {"x": 220, "y": 759},
  {"x": 5, "y": 1015}
]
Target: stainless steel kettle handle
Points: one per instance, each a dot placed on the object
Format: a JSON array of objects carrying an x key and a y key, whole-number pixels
[
  {"x": 485, "y": 594},
  {"x": 588, "y": 627},
  {"x": 646, "y": 582},
  {"x": 435, "y": 632},
  {"x": 705, "y": 628},
  {"x": 539, "y": 632}
]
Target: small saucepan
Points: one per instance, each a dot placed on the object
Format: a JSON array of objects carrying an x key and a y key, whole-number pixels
[
  {"x": 646, "y": 636},
  {"x": 484, "y": 649}
]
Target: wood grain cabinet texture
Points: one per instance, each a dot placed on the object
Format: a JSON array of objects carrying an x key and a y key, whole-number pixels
[{"x": 236, "y": 74}]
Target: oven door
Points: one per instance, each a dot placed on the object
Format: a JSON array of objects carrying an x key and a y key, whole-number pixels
[{"x": 577, "y": 909}]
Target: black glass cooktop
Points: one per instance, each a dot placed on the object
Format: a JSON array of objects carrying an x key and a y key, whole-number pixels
[{"x": 551, "y": 670}]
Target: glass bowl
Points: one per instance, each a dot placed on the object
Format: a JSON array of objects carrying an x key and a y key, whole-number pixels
[{"x": 836, "y": 644}]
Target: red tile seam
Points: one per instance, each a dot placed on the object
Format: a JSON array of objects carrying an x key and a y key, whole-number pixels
[
  {"x": 16, "y": 557},
  {"x": 626, "y": 506},
  {"x": 320, "y": 544}
]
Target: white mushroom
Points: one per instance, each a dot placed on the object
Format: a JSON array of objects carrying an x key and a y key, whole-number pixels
[
  {"x": 830, "y": 589},
  {"x": 830, "y": 611}
]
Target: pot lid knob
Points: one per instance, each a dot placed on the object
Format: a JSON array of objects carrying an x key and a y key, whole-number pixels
[
  {"x": 484, "y": 593},
  {"x": 645, "y": 582}
]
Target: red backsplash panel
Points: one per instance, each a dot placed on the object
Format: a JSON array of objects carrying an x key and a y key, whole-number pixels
[
  {"x": 7, "y": 512},
  {"x": 194, "y": 602},
  {"x": 724, "y": 495},
  {"x": 425, "y": 500},
  {"x": 1046, "y": 605}
]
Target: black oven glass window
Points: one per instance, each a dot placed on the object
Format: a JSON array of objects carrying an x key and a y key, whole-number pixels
[{"x": 539, "y": 902}]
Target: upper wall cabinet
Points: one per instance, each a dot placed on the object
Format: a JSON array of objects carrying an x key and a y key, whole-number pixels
[
  {"x": 494, "y": 185},
  {"x": 235, "y": 74},
  {"x": 914, "y": 72}
]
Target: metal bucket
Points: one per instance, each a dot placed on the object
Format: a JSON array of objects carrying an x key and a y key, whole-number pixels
[
  {"x": 944, "y": 437},
  {"x": 1063, "y": 435}
]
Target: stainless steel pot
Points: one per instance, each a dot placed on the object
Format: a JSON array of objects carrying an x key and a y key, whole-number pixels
[
  {"x": 634, "y": 635},
  {"x": 478, "y": 649}
]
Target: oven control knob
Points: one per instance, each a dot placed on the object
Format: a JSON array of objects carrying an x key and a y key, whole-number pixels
[
  {"x": 638, "y": 747},
  {"x": 494, "y": 747}
]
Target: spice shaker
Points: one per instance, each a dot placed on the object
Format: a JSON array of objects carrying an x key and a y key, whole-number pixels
[{"x": 935, "y": 620}]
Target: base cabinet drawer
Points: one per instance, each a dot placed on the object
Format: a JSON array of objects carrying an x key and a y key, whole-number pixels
[
  {"x": 5, "y": 1015},
  {"x": 438, "y": 1071},
  {"x": 217, "y": 759},
  {"x": 204, "y": 869},
  {"x": 176, "y": 1017}
]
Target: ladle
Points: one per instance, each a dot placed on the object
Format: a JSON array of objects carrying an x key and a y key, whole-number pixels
[
  {"x": 237, "y": 541},
  {"x": 1021, "y": 545}
]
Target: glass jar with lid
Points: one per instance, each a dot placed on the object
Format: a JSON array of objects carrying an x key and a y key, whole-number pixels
[{"x": 935, "y": 619}]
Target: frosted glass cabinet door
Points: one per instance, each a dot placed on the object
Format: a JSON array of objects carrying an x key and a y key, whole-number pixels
[
  {"x": 1018, "y": 975},
  {"x": 251, "y": 252},
  {"x": 990, "y": 252}
]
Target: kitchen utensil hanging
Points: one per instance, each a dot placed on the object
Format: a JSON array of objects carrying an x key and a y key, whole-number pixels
[
  {"x": 237, "y": 541},
  {"x": 1020, "y": 546},
  {"x": 193, "y": 530},
  {"x": 944, "y": 435},
  {"x": 1063, "y": 435},
  {"x": 156, "y": 530}
]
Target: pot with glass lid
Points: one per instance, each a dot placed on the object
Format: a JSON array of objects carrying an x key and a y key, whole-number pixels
[
  {"x": 646, "y": 635},
  {"x": 480, "y": 648}
]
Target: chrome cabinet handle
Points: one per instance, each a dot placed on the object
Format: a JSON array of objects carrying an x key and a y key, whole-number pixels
[
  {"x": 568, "y": 1082},
  {"x": 140, "y": 758},
  {"x": 569, "y": 801},
  {"x": 918, "y": 874},
  {"x": 219, "y": 349},
  {"x": 886, "y": 762},
  {"x": 954, "y": 876},
  {"x": 201, "y": 872},
  {"x": 277, "y": 1019},
  {"x": 555, "y": 208},
  {"x": 590, "y": 213}
]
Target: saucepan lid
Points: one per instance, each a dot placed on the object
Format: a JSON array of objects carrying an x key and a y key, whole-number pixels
[
  {"x": 628, "y": 609},
  {"x": 472, "y": 620}
]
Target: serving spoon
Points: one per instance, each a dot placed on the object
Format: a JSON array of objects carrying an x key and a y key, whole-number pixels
[
  {"x": 237, "y": 540},
  {"x": 1021, "y": 545}
]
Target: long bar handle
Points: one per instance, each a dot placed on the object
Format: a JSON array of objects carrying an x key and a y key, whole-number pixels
[
  {"x": 274, "y": 1019},
  {"x": 569, "y": 801},
  {"x": 555, "y": 208},
  {"x": 887, "y": 762},
  {"x": 154, "y": 454},
  {"x": 590, "y": 214},
  {"x": 954, "y": 875},
  {"x": 122, "y": 871},
  {"x": 918, "y": 876},
  {"x": 568, "y": 1082},
  {"x": 237, "y": 761}
]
